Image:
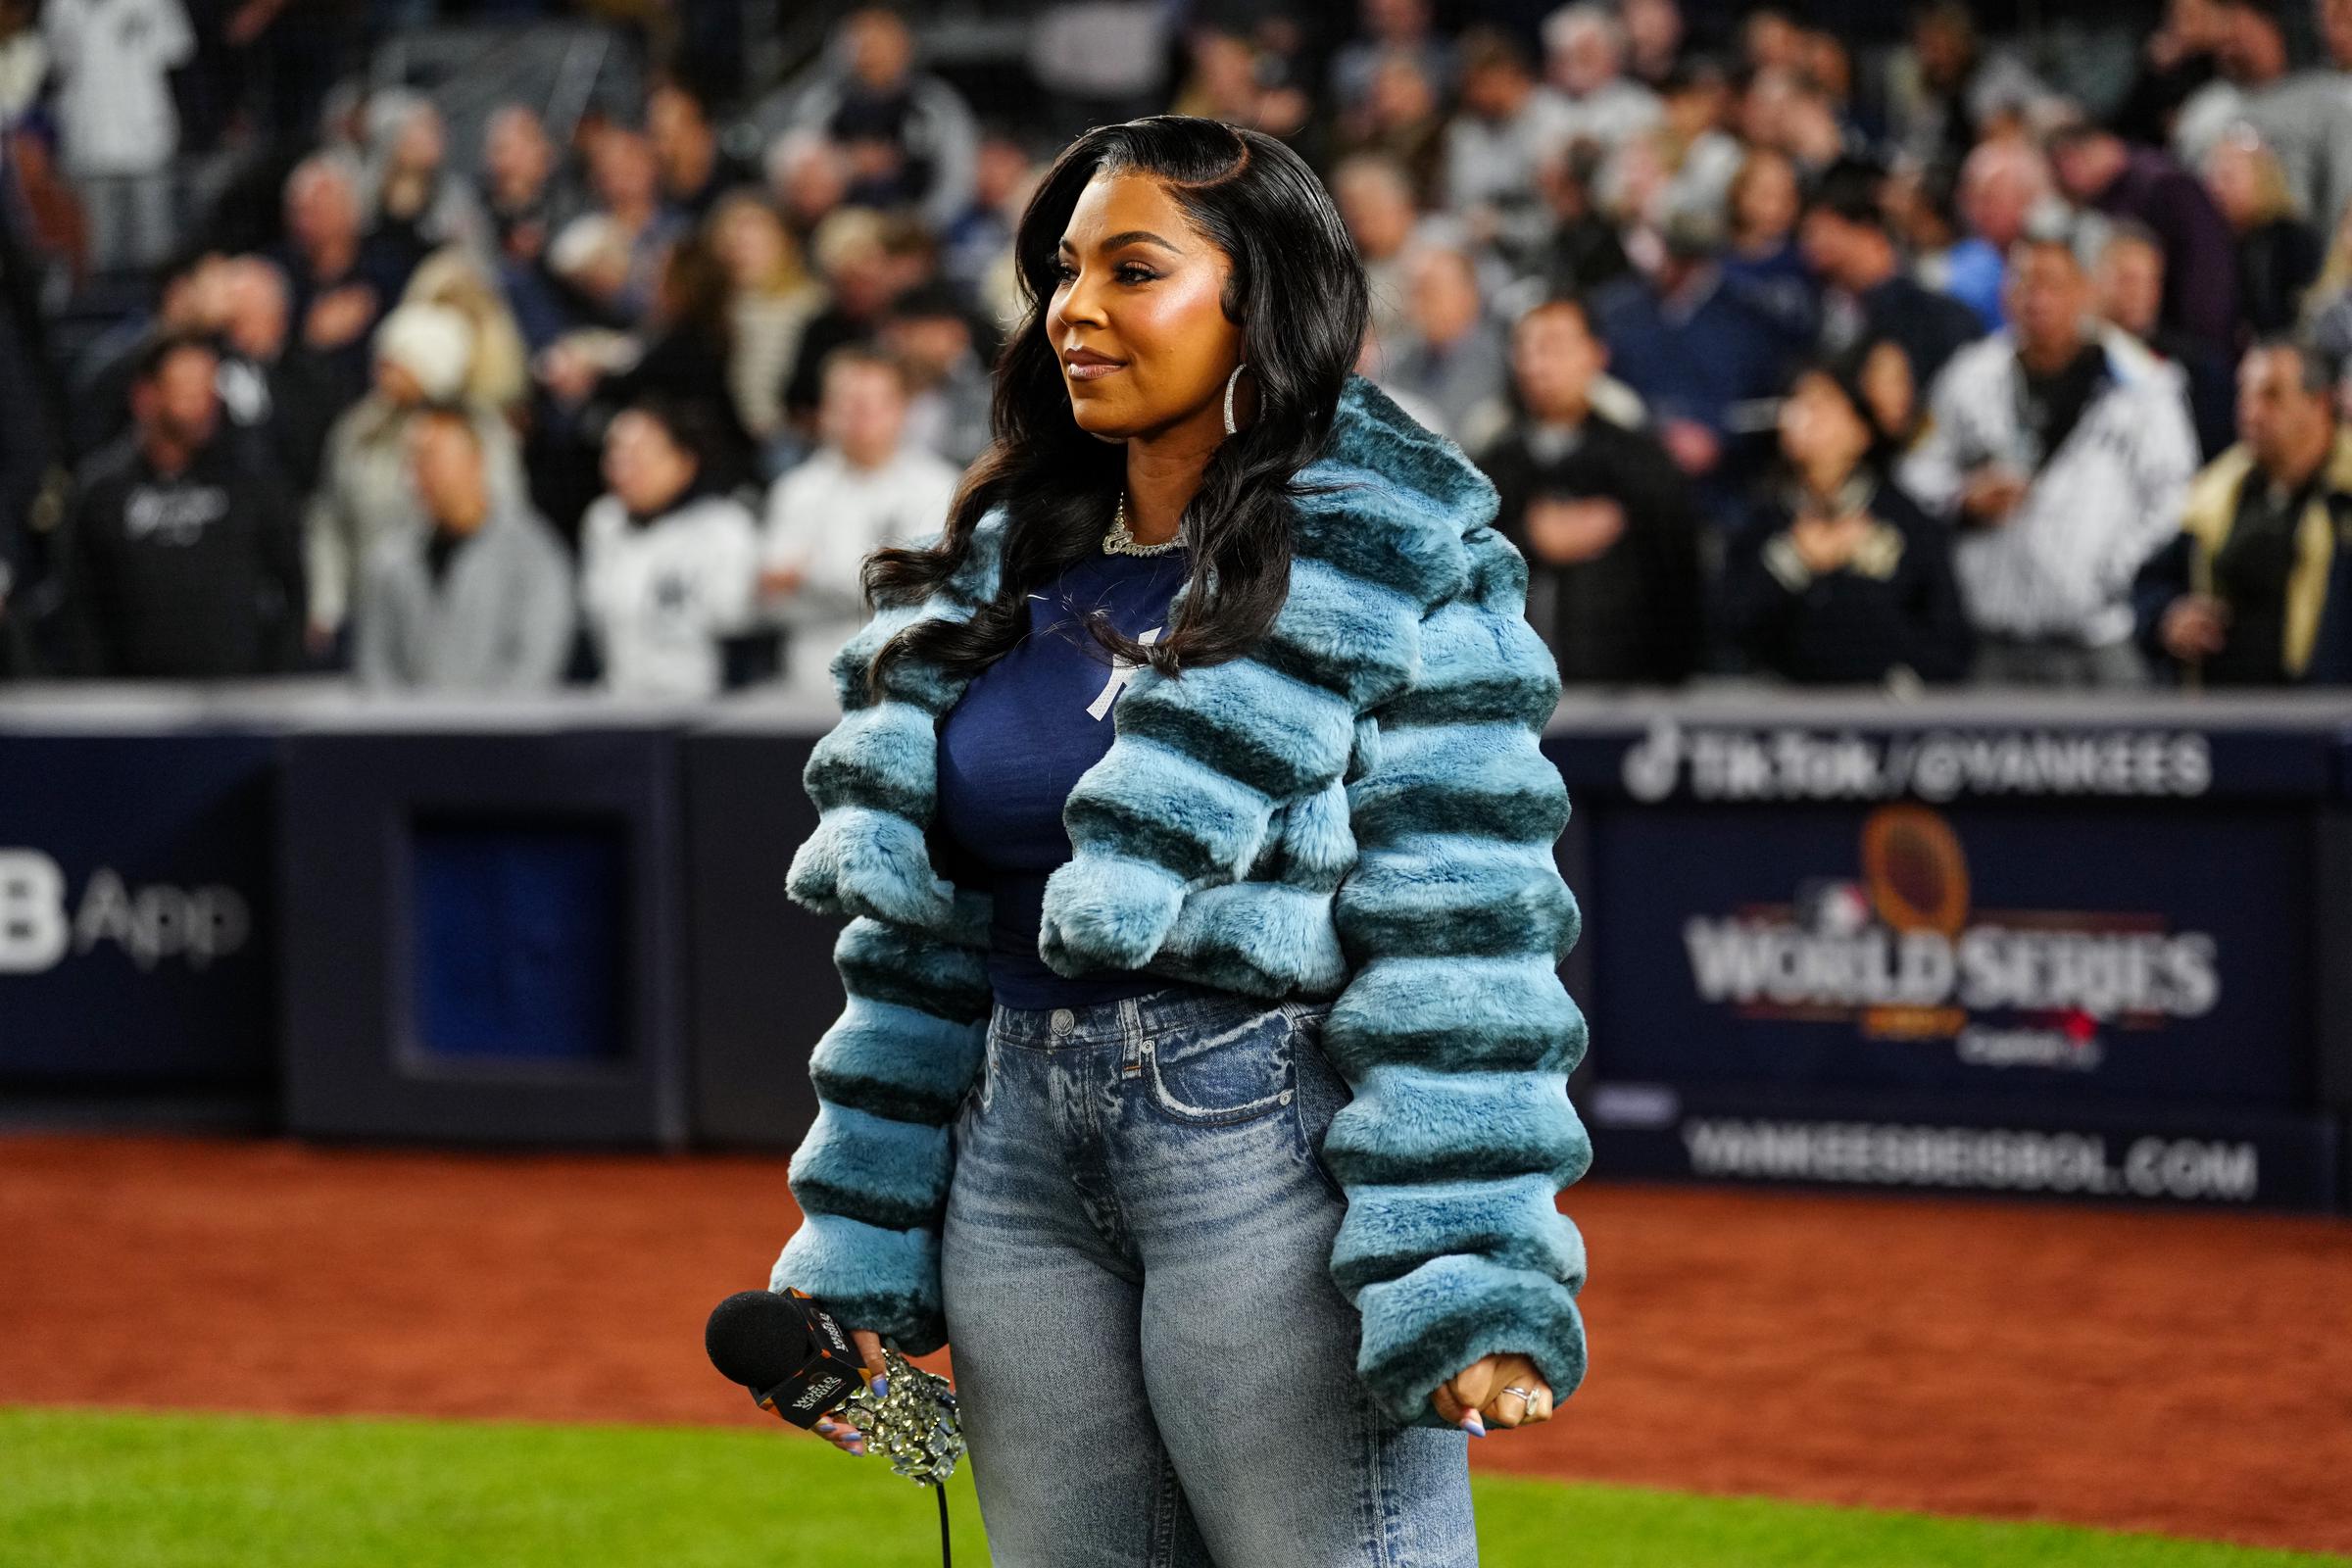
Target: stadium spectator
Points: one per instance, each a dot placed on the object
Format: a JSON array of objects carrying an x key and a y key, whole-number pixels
[
  {"x": 909, "y": 138},
  {"x": 865, "y": 487},
  {"x": 1697, "y": 354},
  {"x": 278, "y": 395},
  {"x": 2176, "y": 60},
  {"x": 1388, "y": 28},
  {"x": 1375, "y": 198},
  {"x": 611, "y": 255},
  {"x": 681, "y": 352},
  {"x": 1653, "y": 40},
  {"x": 340, "y": 281},
  {"x": 950, "y": 391},
  {"x": 669, "y": 565},
  {"x": 1870, "y": 297},
  {"x": 1402, "y": 119},
  {"x": 1608, "y": 524},
  {"x": 1584, "y": 253},
  {"x": 2062, "y": 453},
  {"x": 2003, "y": 185},
  {"x": 1583, "y": 58},
  {"x": 1762, "y": 264},
  {"x": 980, "y": 237},
  {"x": 417, "y": 202},
  {"x": 1838, "y": 579},
  {"x": 1453, "y": 357},
  {"x": 695, "y": 170},
  {"x": 481, "y": 599},
  {"x": 523, "y": 196},
  {"x": 182, "y": 559},
  {"x": 1947, "y": 92},
  {"x": 1506, "y": 124},
  {"x": 808, "y": 178},
  {"x": 852, "y": 253},
  {"x": 2240, "y": 596},
  {"x": 188, "y": 297},
  {"x": 2130, "y": 279},
  {"x": 772, "y": 299},
  {"x": 1688, "y": 161},
  {"x": 2250, "y": 58},
  {"x": 364, "y": 491},
  {"x": 498, "y": 372},
  {"x": 118, "y": 124},
  {"x": 2278, "y": 253},
  {"x": 2098, "y": 169}
]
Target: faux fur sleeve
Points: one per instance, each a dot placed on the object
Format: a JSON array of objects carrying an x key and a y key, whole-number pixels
[
  {"x": 1454, "y": 1029},
  {"x": 871, "y": 1175}
]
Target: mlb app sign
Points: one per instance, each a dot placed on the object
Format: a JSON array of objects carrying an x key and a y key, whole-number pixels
[
  {"x": 134, "y": 880},
  {"x": 2144, "y": 953}
]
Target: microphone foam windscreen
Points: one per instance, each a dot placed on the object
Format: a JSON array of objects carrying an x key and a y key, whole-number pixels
[{"x": 759, "y": 1339}]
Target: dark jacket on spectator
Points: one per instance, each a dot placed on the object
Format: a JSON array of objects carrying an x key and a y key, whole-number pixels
[
  {"x": 1695, "y": 358},
  {"x": 1630, "y": 615},
  {"x": 1928, "y": 326},
  {"x": 2275, "y": 262},
  {"x": 2273, "y": 560},
  {"x": 193, "y": 575},
  {"x": 2200, "y": 254},
  {"x": 1896, "y": 606}
]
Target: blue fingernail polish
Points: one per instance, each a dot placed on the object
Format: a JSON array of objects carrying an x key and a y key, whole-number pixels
[{"x": 881, "y": 1388}]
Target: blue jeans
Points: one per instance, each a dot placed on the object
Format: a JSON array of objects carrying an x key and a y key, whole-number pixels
[{"x": 1154, "y": 1365}]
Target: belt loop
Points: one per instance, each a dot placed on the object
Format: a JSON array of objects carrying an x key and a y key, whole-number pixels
[{"x": 1131, "y": 1037}]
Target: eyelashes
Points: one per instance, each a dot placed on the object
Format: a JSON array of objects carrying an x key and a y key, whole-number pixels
[{"x": 1127, "y": 272}]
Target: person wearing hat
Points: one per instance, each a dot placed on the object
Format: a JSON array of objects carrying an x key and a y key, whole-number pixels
[
  {"x": 422, "y": 355},
  {"x": 1838, "y": 578}
]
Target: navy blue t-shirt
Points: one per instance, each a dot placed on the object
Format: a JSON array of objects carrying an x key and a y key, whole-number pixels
[{"x": 1014, "y": 746}]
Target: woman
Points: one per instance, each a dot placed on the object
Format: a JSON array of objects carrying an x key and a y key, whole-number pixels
[
  {"x": 1839, "y": 577},
  {"x": 1763, "y": 261},
  {"x": 1088, "y": 1111},
  {"x": 2277, "y": 254},
  {"x": 771, "y": 297}
]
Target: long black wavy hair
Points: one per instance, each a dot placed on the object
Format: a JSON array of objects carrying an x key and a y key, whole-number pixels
[{"x": 1297, "y": 291}]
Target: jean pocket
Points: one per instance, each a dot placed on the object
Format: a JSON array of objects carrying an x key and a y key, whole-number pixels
[
  {"x": 1229, "y": 1068},
  {"x": 1321, "y": 1089}
]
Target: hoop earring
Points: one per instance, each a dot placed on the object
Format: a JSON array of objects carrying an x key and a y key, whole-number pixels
[{"x": 1230, "y": 427}]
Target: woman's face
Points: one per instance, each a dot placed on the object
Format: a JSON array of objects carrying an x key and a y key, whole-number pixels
[
  {"x": 2234, "y": 175},
  {"x": 749, "y": 241},
  {"x": 1819, "y": 426},
  {"x": 1139, "y": 302},
  {"x": 644, "y": 467},
  {"x": 1768, "y": 198},
  {"x": 1893, "y": 390}
]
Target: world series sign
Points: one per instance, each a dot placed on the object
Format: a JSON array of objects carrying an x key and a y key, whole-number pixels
[{"x": 2023, "y": 959}]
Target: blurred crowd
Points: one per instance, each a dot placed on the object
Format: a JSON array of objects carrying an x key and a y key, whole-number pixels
[{"x": 1788, "y": 358}]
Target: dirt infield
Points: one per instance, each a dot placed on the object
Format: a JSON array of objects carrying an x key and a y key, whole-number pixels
[{"x": 2182, "y": 1373}]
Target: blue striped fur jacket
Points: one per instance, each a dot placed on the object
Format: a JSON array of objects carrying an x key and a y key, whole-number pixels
[{"x": 1359, "y": 811}]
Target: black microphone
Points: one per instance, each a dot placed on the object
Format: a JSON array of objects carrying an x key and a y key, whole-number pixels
[{"x": 788, "y": 1350}]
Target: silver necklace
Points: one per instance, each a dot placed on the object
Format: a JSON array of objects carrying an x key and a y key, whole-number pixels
[{"x": 1119, "y": 542}]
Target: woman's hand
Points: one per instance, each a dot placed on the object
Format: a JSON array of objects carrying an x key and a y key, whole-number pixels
[
  {"x": 1482, "y": 1386},
  {"x": 838, "y": 1433}
]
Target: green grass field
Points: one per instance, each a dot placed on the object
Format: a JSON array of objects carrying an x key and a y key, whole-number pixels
[{"x": 113, "y": 1490}]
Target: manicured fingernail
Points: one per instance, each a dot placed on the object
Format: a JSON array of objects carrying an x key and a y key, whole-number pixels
[
  {"x": 881, "y": 1388},
  {"x": 1473, "y": 1425}
]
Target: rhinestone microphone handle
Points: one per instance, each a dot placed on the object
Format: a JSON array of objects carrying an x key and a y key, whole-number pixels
[{"x": 916, "y": 1424}]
